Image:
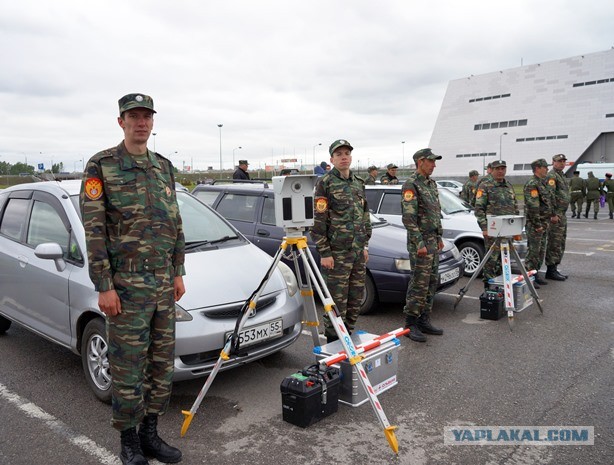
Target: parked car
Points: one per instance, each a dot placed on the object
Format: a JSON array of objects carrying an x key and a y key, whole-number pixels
[
  {"x": 251, "y": 209},
  {"x": 457, "y": 218},
  {"x": 45, "y": 285},
  {"x": 454, "y": 186}
]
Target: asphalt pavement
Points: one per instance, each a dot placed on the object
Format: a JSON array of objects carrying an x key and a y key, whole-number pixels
[{"x": 551, "y": 370}]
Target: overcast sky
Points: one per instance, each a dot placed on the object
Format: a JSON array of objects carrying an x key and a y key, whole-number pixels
[{"x": 281, "y": 76}]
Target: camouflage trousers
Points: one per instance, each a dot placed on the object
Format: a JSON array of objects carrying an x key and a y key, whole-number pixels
[
  {"x": 424, "y": 279},
  {"x": 575, "y": 201},
  {"x": 536, "y": 242},
  {"x": 555, "y": 247},
  {"x": 141, "y": 346},
  {"x": 346, "y": 284},
  {"x": 492, "y": 267},
  {"x": 610, "y": 200}
]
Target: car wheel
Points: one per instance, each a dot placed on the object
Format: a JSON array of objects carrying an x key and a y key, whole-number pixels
[
  {"x": 472, "y": 254},
  {"x": 5, "y": 324},
  {"x": 94, "y": 357},
  {"x": 369, "y": 298}
]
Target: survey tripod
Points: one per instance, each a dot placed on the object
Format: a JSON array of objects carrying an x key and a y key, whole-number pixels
[
  {"x": 295, "y": 244},
  {"x": 506, "y": 245}
]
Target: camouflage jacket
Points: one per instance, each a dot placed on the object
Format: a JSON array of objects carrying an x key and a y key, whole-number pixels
[
  {"x": 341, "y": 217},
  {"x": 468, "y": 191},
  {"x": 538, "y": 206},
  {"x": 577, "y": 184},
  {"x": 494, "y": 198},
  {"x": 130, "y": 215},
  {"x": 608, "y": 185},
  {"x": 370, "y": 180},
  {"x": 488, "y": 177},
  {"x": 593, "y": 188},
  {"x": 387, "y": 179},
  {"x": 421, "y": 210},
  {"x": 559, "y": 190}
]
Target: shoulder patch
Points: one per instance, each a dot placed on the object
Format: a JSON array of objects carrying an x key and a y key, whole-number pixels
[
  {"x": 93, "y": 188},
  {"x": 551, "y": 182},
  {"x": 408, "y": 195},
  {"x": 534, "y": 193},
  {"x": 479, "y": 193},
  {"x": 321, "y": 204}
]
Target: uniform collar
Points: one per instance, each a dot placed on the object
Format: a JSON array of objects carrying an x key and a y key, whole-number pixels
[
  {"x": 127, "y": 160},
  {"x": 336, "y": 172}
]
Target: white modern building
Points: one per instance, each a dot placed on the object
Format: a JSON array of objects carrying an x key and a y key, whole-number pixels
[{"x": 534, "y": 111}]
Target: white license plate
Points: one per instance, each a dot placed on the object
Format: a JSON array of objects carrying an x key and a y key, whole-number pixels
[
  {"x": 256, "y": 334},
  {"x": 449, "y": 275}
]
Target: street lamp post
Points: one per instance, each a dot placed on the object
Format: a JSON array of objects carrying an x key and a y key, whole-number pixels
[
  {"x": 154, "y": 137},
  {"x": 233, "y": 156},
  {"x": 500, "y": 140},
  {"x": 403, "y": 163},
  {"x": 314, "y": 153},
  {"x": 220, "y": 126}
]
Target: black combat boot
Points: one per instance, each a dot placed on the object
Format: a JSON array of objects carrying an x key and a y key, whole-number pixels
[
  {"x": 552, "y": 273},
  {"x": 586, "y": 212},
  {"x": 131, "y": 448},
  {"x": 556, "y": 267},
  {"x": 595, "y": 216},
  {"x": 425, "y": 325},
  {"x": 539, "y": 280},
  {"x": 153, "y": 445},
  {"x": 573, "y": 214},
  {"x": 611, "y": 216},
  {"x": 415, "y": 334}
]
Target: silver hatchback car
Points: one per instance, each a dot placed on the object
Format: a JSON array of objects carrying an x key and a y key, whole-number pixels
[{"x": 45, "y": 285}]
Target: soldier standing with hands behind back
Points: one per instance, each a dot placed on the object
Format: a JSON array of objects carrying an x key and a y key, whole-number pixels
[
  {"x": 540, "y": 214},
  {"x": 576, "y": 194},
  {"x": 341, "y": 232},
  {"x": 557, "y": 233},
  {"x": 135, "y": 248},
  {"x": 422, "y": 219}
]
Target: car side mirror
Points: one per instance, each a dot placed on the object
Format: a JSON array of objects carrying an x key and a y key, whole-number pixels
[{"x": 51, "y": 251}]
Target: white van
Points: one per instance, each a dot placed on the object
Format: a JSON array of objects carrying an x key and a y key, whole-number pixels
[
  {"x": 598, "y": 169},
  {"x": 457, "y": 219}
]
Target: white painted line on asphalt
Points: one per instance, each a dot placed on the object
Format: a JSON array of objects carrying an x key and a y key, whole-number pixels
[
  {"x": 588, "y": 254},
  {"x": 57, "y": 426},
  {"x": 591, "y": 240}
]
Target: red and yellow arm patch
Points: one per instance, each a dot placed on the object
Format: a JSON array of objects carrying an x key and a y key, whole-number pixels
[
  {"x": 534, "y": 193},
  {"x": 93, "y": 188},
  {"x": 321, "y": 204},
  {"x": 479, "y": 193},
  {"x": 551, "y": 182},
  {"x": 409, "y": 195}
]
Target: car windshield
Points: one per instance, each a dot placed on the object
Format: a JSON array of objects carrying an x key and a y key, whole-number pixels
[
  {"x": 201, "y": 225},
  {"x": 450, "y": 203}
]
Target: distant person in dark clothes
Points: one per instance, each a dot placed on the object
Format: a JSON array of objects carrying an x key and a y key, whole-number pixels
[{"x": 241, "y": 171}]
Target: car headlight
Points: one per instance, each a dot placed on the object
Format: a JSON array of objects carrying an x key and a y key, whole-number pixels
[
  {"x": 181, "y": 314},
  {"x": 456, "y": 253},
  {"x": 289, "y": 277},
  {"x": 402, "y": 264}
]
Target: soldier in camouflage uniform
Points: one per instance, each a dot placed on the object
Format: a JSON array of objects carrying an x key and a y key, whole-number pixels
[
  {"x": 390, "y": 176},
  {"x": 135, "y": 247},
  {"x": 593, "y": 192},
  {"x": 608, "y": 185},
  {"x": 422, "y": 219},
  {"x": 468, "y": 191},
  {"x": 341, "y": 232},
  {"x": 372, "y": 170},
  {"x": 495, "y": 196},
  {"x": 557, "y": 233},
  {"x": 577, "y": 191},
  {"x": 540, "y": 214}
]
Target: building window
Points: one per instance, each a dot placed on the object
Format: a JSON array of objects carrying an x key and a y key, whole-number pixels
[
  {"x": 503, "y": 124},
  {"x": 561, "y": 137},
  {"x": 494, "y": 125},
  {"x": 590, "y": 83},
  {"x": 477, "y": 127},
  {"x": 518, "y": 167},
  {"x": 609, "y": 115},
  {"x": 513, "y": 124},
  {"x": 486, "y": 126},
  {"x": 520, "y": 140},
  {"x": 522, "y": 122},
  {"x": 490, "y": 97}
]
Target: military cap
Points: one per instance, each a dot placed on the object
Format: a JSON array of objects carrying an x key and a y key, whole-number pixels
[
  {"x": 391, "y": 166},
  {"x": 489, "y": 165},
  {"x": 497, "y": 163},
  {"x": 130, "y": 101},
  {"x": 608, "y": 175},
  {"x": 426, "y": 153},
  {"x": 339, "y": 143},
  {"x": 473, "y": 173},
  {"x": 576, "y": 172},
  {"x": 372, "y": 167},
  {"x": 540, "y": 162},
  {"x": 559, "y": 157},
  {"x": 243, "y": 162}
]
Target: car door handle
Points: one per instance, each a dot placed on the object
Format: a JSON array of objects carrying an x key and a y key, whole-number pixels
[
  {"x": 263, "y": 232},
  {"x": 23, "y": 261}
]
